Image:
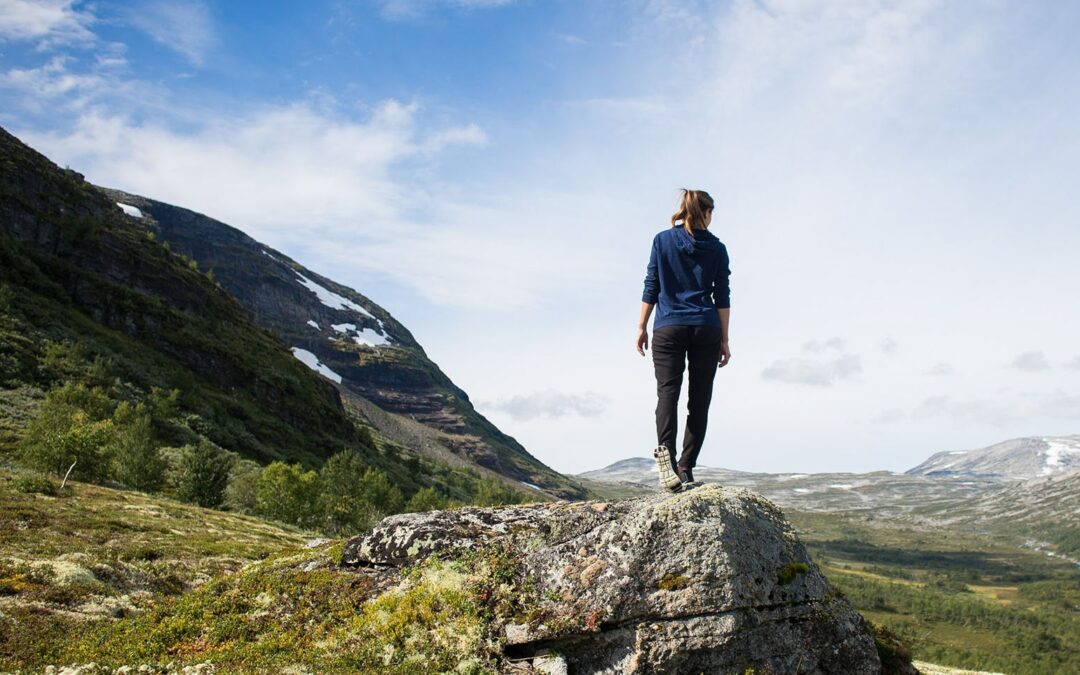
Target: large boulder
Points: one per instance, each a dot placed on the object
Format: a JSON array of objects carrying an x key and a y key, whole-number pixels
[{"x": 713, "y": 579}]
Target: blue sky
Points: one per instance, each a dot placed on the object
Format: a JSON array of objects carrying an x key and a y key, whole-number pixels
[{"x": 895, "y": 183}]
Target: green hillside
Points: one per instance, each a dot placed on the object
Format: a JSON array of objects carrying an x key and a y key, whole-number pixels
[{"x": 121, "y": 360}]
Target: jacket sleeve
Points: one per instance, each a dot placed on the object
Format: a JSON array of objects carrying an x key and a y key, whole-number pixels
[
  {"x": 722, "y": 284},
  {"x": 652, "y": 285}
]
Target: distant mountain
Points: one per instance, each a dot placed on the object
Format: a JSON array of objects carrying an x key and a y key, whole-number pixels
[
  {"x": 1017, "y": 459},
  {"x": 349, "y": 340},
  {"x": 1044, "y": 508}
]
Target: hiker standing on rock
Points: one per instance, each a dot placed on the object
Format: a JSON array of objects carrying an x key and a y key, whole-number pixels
[{"x": 687, "y": 282}]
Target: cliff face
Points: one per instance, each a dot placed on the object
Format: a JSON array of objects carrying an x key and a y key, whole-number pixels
[
  {"x": 347, "y": 337},
  {"x": 710, "y": 580}
]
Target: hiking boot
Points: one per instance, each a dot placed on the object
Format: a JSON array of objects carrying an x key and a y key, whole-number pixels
[
  {"x": 685, "y": 475},
  {"x": 665, "y": 465}
]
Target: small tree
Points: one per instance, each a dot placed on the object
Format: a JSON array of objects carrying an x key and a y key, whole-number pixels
[
  {"x": 136, "y": 461},
  {"x": 203, "y": 473},
  {"x": 376, "y": 487},
  {"x": 287, "y": 493},
  {"x": 343, "y": 507},
  {"x": 71, "y": 425}
]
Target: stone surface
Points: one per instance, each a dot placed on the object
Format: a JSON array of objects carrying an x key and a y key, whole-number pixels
[{"x": 712, "y": 580}]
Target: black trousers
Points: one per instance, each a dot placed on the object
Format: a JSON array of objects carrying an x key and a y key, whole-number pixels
[{"x": 672, "y": 347}]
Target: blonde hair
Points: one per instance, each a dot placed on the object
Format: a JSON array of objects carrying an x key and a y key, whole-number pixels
[{"x": 695, "y": 204}]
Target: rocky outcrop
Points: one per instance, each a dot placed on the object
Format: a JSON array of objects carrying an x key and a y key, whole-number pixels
[{"x": 713, "y": 579}]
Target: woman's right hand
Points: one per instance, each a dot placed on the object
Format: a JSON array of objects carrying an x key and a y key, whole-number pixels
[
  {"x": 642, "y": 341},
  {"x": 725, "y": 354}
]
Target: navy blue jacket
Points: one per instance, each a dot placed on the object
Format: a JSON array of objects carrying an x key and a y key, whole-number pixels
[{"x": 687, "y": 278}]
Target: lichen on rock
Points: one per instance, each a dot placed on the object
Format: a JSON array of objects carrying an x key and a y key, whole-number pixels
[{"x": 713, "y": 579}]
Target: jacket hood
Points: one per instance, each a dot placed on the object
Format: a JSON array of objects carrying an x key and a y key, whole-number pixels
[{"x": 703, "y": 242}]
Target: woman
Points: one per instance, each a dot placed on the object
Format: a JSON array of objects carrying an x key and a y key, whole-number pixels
[{"x": 687, "y": 281}]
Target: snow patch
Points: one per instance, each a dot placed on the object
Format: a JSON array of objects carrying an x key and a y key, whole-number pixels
[
  {"x": 1056, "y": 451},
  {"x": 958, "y": 452},
  {"x": 800, "y": 490},
  {"x": 311, "y": 361},
  {"x": 842, "y": 486},
  {"x": 792, "y": 476},
  {"x": 365, "y": 336},
  {"x": 313, "y": 324},
  {"x": 132, "y": 211},
  {"x": 267, "y": 254},
  {"x": 370, "y": 337},
  {"x": 330, "y": 298},
  {"x": 535, "y": 487}
]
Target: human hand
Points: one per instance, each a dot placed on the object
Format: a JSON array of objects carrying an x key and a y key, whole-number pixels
[
  {"x": 642, "y": 341},
  {"x": 725, "y": 354}
]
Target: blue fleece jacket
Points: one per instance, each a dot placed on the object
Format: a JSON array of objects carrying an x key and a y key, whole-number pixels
[{"x": 687, "y": 278}]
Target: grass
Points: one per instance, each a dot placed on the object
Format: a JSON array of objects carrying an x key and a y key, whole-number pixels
[{"x": 85, "y": 556}]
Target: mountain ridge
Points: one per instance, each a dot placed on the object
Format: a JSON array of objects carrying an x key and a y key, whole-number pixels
[{"x": 344, "y": 336}]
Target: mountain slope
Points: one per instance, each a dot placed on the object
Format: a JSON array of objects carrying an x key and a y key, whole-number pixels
[
  {"x": 345, "y": 337},
  {"x": 83, "y": 284},
  {"x": 1016, "y": 459}
]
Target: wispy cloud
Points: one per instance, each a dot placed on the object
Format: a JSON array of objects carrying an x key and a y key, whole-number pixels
[
  {"x": 549, "y": 404},
  {"x": 571, "y": 39},
  {"x": 1031, "y": 362},
  {"x": 834, "y": 344},
  {"x": 940, "y": 370},
  {"x": 185, "y": 26},
  {"x": 1000, "y": 411},
  {"x": 49, "y": 22},
  {"x": 888, "y": 346},
  {"x": 1074, "y": 364},
  {"x": 411, "y": 9},
  {"x": 823, "y": 365}
]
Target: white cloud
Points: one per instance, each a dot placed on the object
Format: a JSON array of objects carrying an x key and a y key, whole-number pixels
[
  {"x": 470, "y": 134},
  {"x": 270, "y": 171},
  {"x": 52, "y": 22},
  {"x": 185, "y": 26},
  {"x": 550, "y": 404},
  {"x": 820, "y": 372},
  {"x": 51, "y": 80},
  {"x": 1031, "y": 362}
]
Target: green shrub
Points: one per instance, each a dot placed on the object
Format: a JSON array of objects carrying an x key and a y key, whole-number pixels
[
  {"x": 31, "y": 483},
  {"x": 426, "y": 499},
  {"x": 242, "y": 490},
  {"x": 203, "y": 473},
  {"x": 287, "y": 493},
  {"x": 490, "y": 493}
]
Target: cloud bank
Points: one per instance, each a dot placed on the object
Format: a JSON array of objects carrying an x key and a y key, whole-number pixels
[{"x": 549, "y": 404}]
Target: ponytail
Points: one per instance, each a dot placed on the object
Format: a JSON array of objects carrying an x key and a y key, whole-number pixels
[{"x": 695, "y": 204}]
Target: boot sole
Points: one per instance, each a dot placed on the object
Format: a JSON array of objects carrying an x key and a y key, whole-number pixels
[{"x": 668, "y": 479}]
